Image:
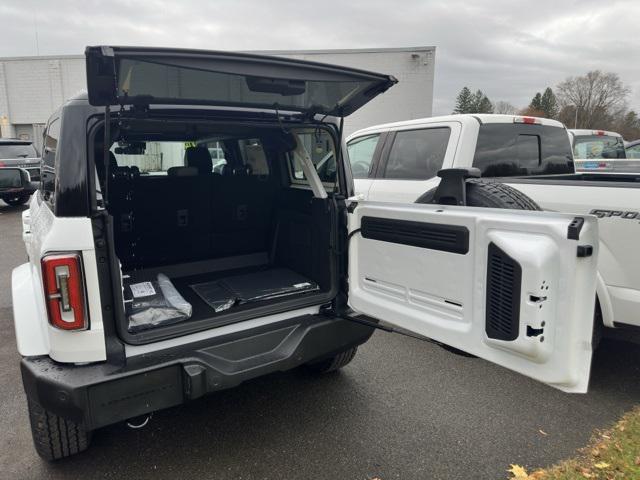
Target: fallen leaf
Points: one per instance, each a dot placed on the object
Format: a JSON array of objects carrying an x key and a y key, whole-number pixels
[
  {"x": 601, "y": 465},
  {"x": 606, "y": 436},
  {"x": 595, "y": 452},
  {"x": 637, "y": 462},
  {"x": 518, "y": 472},
  {"x": 543, "y": 432},
  {"x": 538, "y": 475}
]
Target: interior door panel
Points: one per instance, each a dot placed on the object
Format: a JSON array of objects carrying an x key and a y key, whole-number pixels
[{"x": 507, "y": 286}]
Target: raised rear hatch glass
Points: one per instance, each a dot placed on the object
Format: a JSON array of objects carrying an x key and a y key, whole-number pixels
[{"x": 134, "y": 75}]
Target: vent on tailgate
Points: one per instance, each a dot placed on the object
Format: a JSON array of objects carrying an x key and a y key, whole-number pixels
[
  {"x": 434, "y": 236},
  {"x": 504, "y": 278}
]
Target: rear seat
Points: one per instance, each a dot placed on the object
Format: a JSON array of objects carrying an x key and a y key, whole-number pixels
[
  {"x": 190, "y": 214},
  {"x": 242, "y": 209}
]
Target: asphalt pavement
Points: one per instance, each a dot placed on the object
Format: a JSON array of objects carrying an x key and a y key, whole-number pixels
[{"x": 403, "y": 409}]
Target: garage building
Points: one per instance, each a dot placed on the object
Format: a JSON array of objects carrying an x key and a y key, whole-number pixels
[{"x": 31, "y": 88}]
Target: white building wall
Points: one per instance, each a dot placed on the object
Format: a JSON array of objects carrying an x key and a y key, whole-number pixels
[
  {"x": 411, "y": 98},
  {"x": 31, "y": 88}
]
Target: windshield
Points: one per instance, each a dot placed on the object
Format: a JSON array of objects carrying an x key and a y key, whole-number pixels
[
  {"x": 17, "y": 150},
  {"x": 598, "y": 146}
]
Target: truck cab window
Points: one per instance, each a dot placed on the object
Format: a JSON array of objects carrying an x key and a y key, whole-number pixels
[
  {"x": 361, "y": 151},
  {"x": 417, "y": 154},
  {"x": 507, "y": 150}
]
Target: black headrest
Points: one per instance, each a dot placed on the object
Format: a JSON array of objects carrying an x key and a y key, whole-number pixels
[{"x": 200, "y": 158}]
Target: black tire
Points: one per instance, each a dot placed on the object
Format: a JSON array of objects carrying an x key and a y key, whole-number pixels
[
  {"x": 53, "y": 436},
  {"x": 491, "y": 194},
  {"x": 15, "y": 201},
  {"x": 598, "y": 327},
  {"x": 334, "y": 363}
]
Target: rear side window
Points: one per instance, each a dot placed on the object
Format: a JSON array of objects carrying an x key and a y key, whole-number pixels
[
  {"x": 417, "y": 154},
  {"x": 361, "y": 151},
  {"x": 598, "y": 146},
  {"x": 48, "y": 166},
  {"x": 506, "y": 149}
]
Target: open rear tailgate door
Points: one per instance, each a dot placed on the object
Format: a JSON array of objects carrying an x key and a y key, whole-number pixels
[
  {"x": 516, "y": 288},
  {"x": 138, "y": 75}
]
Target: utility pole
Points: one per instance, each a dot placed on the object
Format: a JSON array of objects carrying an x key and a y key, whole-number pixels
[{"x": 575, "y": 123}]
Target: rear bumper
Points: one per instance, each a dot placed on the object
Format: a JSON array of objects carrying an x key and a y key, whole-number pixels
[{"x": 102, "y": 394}]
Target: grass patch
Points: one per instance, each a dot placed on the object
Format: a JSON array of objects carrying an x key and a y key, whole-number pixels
[{"x": 611, "y": 454}]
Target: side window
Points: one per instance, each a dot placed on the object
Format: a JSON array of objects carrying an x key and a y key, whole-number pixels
[
  {"x": 361, "y": 152},
  {"x": 633, "y": 152},
  {"x": 319, "y": 145},
  {"x": 417, "y": 154},
  {"x": 48, "y": 164}
]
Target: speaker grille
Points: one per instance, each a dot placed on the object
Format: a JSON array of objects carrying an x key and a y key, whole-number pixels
[{"x": 504, "y": 279}]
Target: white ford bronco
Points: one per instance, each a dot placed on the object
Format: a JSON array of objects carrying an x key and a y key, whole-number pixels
[
  {"x": 155, "y": 277},
  {"x": 399, "y": 163}
]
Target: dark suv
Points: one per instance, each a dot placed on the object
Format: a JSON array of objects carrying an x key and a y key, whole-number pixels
[
  {"x": 155, "y": 276},
  {"x": 15, "y": 153}
]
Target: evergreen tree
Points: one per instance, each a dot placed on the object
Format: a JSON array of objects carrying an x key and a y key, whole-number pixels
[
  {"x": 536, "y": 103},
  {"x": 481, "y": 103},
  {"x": 549, "y": 104},
  {"x": 464, "y": 101}
]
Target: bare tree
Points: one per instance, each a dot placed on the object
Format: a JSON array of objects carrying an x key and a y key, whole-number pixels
[
  {"x": 597, "y": 96},
  {"x": 504, "y": 107}
]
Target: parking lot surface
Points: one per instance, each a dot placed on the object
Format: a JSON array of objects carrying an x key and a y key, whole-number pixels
[{"x": 402, "y": 409}]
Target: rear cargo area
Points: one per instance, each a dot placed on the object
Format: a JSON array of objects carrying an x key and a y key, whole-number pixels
[{"x": 234, "y": 240}]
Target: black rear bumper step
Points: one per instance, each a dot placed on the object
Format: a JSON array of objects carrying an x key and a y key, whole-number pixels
[{"x": 102, "y": 394}]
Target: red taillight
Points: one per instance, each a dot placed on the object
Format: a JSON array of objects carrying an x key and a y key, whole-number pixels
[
  {"x": 528, "y": 120},
  {"x": 599, "y": 133},
  {"x": 64, "y": 291},
  {"x": 1, "y": 164}
]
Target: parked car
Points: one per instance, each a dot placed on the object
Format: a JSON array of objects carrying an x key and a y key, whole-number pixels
[
  {"x": 146, "y": 291},
  {"x": 601, "y": 151},
  {"x": 19, "y": 154},
  {"x": 15, "y": 183},
  {"x": 398, "y": 162}
]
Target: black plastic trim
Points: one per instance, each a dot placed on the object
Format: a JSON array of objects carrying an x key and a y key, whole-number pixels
[
  {"x": 433, "y": 236},
  {"x": 102, "y": 394},
  {"x": 504, "y": 285},
  {"x": 575, "y": 227}
]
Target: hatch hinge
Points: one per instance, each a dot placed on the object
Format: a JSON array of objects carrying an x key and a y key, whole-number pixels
[{"x": 370, "y": 322}]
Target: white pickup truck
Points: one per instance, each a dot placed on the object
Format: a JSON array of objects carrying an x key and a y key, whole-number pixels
[
  {"x": 398, "y": 162},
  {"x": 601, "y": 151}
]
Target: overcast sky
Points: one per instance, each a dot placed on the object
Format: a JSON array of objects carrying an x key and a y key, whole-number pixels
[{"x": 509, "y": 49}]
